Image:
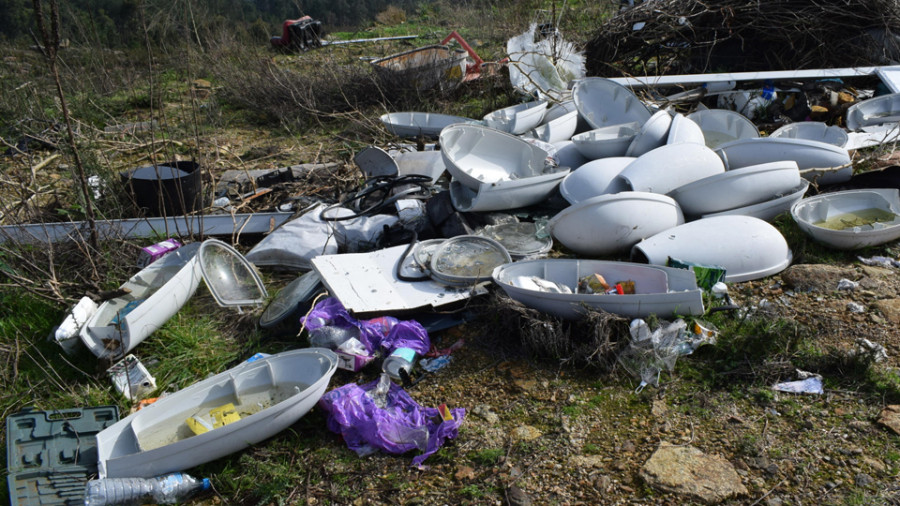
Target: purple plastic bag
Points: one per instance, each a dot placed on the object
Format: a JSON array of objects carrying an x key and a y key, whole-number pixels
[
  {"x": 401, "y": 426},
  {"x": 328, "y": 311},
  {"x": 382, "y": 332},
  {"x": 408, "y": 334}
]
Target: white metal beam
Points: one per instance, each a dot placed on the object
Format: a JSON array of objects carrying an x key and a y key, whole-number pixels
[
  {"x": 889, "y": 74},
  {"x": 214, "y": 224}
]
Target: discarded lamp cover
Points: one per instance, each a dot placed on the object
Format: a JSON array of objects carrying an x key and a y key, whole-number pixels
[
  {"x": 467, "y": 259},
  {"x": 850, "y": 219},
  {"x": 157, "y": 440},
  {"x": 663, "y": 291},
  {"x": 743, "y": 260},
  {"x": 292, "y": 302}
]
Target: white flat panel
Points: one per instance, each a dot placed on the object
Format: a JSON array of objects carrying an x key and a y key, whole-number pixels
[{"x": 366, "y": 283}]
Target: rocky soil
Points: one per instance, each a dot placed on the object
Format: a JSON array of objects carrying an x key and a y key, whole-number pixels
[{"x": 539, "y": 431}]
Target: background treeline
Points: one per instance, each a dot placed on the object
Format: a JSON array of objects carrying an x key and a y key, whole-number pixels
[{"x": 121, "y": 23}]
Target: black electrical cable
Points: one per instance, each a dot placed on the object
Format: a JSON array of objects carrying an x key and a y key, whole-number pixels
[
  {"x": 399, "y": 268},
  {"x": 384, "y": 184}
]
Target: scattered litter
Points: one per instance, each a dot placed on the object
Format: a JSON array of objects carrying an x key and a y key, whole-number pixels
[
  {"x": 399, "y": 365},
  {"x": 540, "y": 284},
  {"x": 435, "y": 352},
  {"x": 400, "y": 426},
  {"x": 170, "y": 489},
  {"x": 257, "y": 356},
  {"x": 719, "y": 290},
  {"x": 652, "y": 351},
  {"x": 846, "y": 284},
  {"x": 856, "y": 308},
  {"x": 880, "y": 261},
  {"x": 216, "y": 417},
  {"x": 648, "y": 354},
  {"x": 329, "y": 325},
  {"x": 867, "y": 349},
  {"x": 596, "y": 284},
  {"x": 484, "y": 411},
  {"x": 66, "y": 335},
  {"x": 131, "y": 378},
  {"x": 411, "y": 213},
  {"x": 809, "y": 385},
  {"x": 544, "y": 67},
  {"x": 96, "y": 185},
  {"x": 154, "y": 252},
  {"x": 146, "y": 402},
  {"x": 434, "y": 364},
  {"x": 707, "y": 275},
  {"x": 749, "y": 103},
  {"x": 295, "y": 243},
  {"x": 353, "y": 362}
]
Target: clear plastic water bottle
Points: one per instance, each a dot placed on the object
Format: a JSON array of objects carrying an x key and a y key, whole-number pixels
[
  {"x": 168, "y": 489},
  {"x": 399, "y": 363},
  {"x": 379, "y": 394}
]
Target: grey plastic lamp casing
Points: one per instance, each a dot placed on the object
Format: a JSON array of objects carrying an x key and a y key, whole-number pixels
[{"x": 287, "y": 302}]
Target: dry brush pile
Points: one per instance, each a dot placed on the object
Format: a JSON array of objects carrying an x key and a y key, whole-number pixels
[{"x": 662, "y": 37}]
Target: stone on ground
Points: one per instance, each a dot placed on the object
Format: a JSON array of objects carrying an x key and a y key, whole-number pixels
[{"x": 687, "y": 471}]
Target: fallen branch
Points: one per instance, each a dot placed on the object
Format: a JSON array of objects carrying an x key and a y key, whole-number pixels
[
  {"x": 130, "y": 146},
  {"x": 43, "y": 163},
  {"x": 826, "y": 169}
]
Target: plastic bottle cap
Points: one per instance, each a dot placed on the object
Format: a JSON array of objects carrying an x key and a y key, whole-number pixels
[{"x": 206, "y": 484}]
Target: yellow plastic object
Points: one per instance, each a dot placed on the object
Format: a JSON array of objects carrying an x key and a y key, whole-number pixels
[
  {"x": 223, "y": 415},
  {"x": 220, "y": 416}
]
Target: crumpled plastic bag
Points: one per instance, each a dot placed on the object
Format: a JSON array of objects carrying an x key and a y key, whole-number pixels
[
  {"x": 402, "y": 425},
  {"x": 295, "y": 243},
  {"x": 382, "y": 332},
  {"x": 652, "y": 351},
  {"x": 544, "y": 67}
]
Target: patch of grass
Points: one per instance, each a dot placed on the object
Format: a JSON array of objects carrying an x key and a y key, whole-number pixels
[
  {"x": 573, "y": 411},
  {"x": 764, "y": 396},
  {"x": 487, "y": 457},
  {"x": 472, "y": 491},
  {"x": 884, "y": 382},
  {"x": 749, "y": 444},
  {"x": 859, "y": 372},
  {"x": 858, "y": 498},
  {"x": 36, "y": 371},
  {"x": 757, "y": 346},
  {"x": 193, "y": 346},
  {"x": 597, "y": 400}
]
